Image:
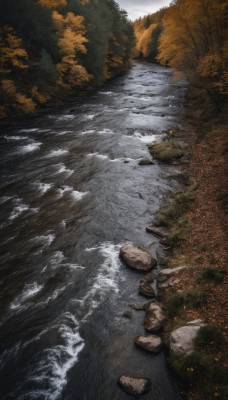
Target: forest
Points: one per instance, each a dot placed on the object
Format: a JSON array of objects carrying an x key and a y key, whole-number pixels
[
  {"x": 50, "y": 47},
  {"x": 191, "y": 37}
]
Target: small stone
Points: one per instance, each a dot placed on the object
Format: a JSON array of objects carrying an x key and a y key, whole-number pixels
[
  {"x": 138, "y": 306},
  {"x": 154, "y": 317},
  {"x": 146, "y": 289},
  {"x": 145, "y": 161},
  {"x": 127, "y": 314},
  {"x": 134, "y": 385},
  {"x": 149, "y": 343}
]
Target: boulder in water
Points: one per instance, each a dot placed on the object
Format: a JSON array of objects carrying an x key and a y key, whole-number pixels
[
  {"x": 137, "y": 258},
  {"x": 150, "y": 343},
  {"x": 154, "y": 318},
  {"x": 146, "y": 289},
  {"x": 134, "y": 385}
]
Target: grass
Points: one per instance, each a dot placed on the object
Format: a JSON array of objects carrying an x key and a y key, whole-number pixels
[
  {"x": 166, "y": 152},
  {"x": 180, "y": 204},
  {"x": 178, "y": 232},
  {"x": 208, "y": 335},
  {"x": 192, "y": 299},
  {"x": 201, "y": 370},
  {"x": 211, "y": 275}
]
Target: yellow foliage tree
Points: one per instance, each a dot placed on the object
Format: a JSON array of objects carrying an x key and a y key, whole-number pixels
[
  {"x": 18, "y": 100},
  {"x": 194, "y": 41},
  {"x": 53, "y": 4},
  {"x": 13, "y": 55},
  {"x": 71, "y": 31}
]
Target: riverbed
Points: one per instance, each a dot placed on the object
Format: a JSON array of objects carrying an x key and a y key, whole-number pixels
[{"x": 72, "y": 193}]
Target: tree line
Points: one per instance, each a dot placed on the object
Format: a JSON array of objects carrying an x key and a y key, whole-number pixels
[
  {"x": 191, "y": 37},
  {"x": 51, "y": 47}
]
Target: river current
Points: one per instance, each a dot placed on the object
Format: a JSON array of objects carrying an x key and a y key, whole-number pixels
[{"x": 72, "y": 193}]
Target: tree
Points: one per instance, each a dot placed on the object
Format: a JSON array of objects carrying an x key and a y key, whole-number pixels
[{"x": 194, "y": 42}]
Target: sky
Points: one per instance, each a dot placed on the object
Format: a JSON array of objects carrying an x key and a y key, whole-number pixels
[{"x": 139, "y": 8}]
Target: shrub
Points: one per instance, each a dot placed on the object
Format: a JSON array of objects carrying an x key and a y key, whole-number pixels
[
  {"x": 175, "y": 302},
  {"x": 208, "y": 335},
  {"x": 210, "y": 275}
]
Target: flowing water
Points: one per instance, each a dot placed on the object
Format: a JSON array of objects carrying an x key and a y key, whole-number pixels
[{"x": 72, "y": 193}]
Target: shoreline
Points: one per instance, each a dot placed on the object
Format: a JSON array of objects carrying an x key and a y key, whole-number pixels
[{"x": 195, "y": 287}]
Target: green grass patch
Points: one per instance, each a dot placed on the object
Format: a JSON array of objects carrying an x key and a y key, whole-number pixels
[
  {"x": 166, "y": 152},
  {"x": 208, "y": 336},
  {"x": 192, "y": 299},
  {"x": 198, "y": 366},
  {"x": 178, "y": 232},
  {"x": 180, "y": 204}
]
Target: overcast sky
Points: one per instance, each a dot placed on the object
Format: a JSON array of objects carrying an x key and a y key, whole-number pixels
[{"x": 139, "y": 8}]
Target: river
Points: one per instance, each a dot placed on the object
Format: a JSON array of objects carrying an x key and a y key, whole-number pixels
[{"x": 72, "y": 193}]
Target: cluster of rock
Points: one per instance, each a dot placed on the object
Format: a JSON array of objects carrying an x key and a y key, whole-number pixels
[
  {"x": 141, "y": 260},
  {"x": 181, "y": 340}
]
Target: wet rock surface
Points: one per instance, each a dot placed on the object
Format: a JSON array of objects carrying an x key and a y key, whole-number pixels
[
  {"x": 137, "y": 258},
  {"x": 134, "y": 385},
  {"x": 154, "y": 317},
  {"x": 146, "y": 289},
  {"x": 182, "y": 339},
  {"x": 151, "y": 343}
]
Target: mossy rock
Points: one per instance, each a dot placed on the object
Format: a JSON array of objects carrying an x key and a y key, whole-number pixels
[{"x": 166, "y": 152}]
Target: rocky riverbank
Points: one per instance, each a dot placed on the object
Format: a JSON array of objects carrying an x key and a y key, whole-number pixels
[{"x": 188, "y": 290}]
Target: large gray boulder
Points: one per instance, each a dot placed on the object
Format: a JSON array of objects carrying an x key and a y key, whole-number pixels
[
  {"x": 182, "y": 339},
  {"x": 134, "y": 385},
  {"x": 149, "y": 343},
  {"x": 137, "y": 258},
  {"x": 154, "y": 318}
]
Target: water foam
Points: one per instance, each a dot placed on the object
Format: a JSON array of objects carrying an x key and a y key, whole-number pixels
[
  {"x": 106, "y": 281},
  {"x": 50, "y": 373},
  {"x": 43, "y": 187},
  {"x": 34, "y": 146},
  {"x": 28, "y": 130},
  {"x": 45, "y": 239},
  {"x": 147, "y": 139},
  {"x": 90, "y": 117},
  {"x": 57, "y": 153},
  {"x": 74, "y": 193},
  {"x": 100, "y": 156},
  {"x": 20, "y": 208},
  {"x": 29, "y": 291},
  {"x": 62, "y": 169},
  {"x": 15, "y": 138},
  {"x": 4, "y": 199},
  {"x": 88, "y": 132}
]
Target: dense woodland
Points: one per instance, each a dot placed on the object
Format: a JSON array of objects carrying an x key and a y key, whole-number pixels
[
  {"x": 190, "y": 36},
  {"x": 51, "y": 47}
]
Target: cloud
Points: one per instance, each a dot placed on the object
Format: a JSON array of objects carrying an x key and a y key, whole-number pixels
[{"x": 139, "y": 8}]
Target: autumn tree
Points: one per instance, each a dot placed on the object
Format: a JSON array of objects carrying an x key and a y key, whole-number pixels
[
  {"x": 194, "y": 42},
  {"x": 147, "y": 32},
  {"x": 71, "y": 31}
]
